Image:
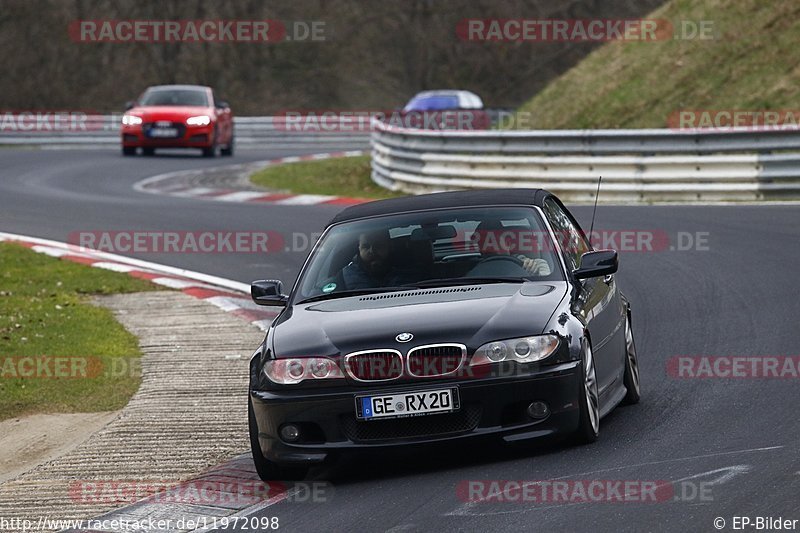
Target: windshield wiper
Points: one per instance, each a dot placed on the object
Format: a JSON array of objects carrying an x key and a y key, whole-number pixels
[
  {"x": 356, "y": 292},
  {"x": 443, "y": 282}
]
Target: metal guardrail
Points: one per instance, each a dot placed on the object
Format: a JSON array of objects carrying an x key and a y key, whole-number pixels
[
  {"x": 255, "y": 132},
  {"x": 636, "y": 165}
]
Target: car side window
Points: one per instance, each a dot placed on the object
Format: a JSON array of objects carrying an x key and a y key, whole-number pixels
[{"x": 570, "y": 239}]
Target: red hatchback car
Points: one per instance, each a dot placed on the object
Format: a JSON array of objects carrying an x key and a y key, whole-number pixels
[{"x": 178, "y": 116}]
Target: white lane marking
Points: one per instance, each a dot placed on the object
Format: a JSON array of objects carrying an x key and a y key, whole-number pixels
[
  {"x": 116, "y": 267},
  {"x": 53, "y": 252},
  {"x": 223, "y": 302},
  {"x": 679, "y": 459},
  {"x": 241, "y": 196},
  {"x": 465, "y": 508},
  {"x": 305, "y": 199},
  {"x": 194, "y": 191},
  {"x": 164, "y": 269},
  {"x": 174, "y": 283},
  {"x": 726, "y": 474},
  {"x": 257, "y": 507},
  {"x": 143, "y": 186},
  {"x": 152, "y": 185}
]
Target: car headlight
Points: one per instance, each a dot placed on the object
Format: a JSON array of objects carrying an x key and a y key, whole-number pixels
[
  {"x": 200, "y": 120},
  {"x": 297, "y": 369},
  {"x": 131, "y": 120},
  {"x": 521, "y": 350}
]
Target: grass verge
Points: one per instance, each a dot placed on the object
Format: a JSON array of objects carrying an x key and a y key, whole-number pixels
[
  {"x": 58, "y": 352},
  {"x": 748, "y": 64},
  {"x": 342, "y": 176}
]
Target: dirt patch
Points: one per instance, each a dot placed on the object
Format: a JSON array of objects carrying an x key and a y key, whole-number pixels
[{"x": 28, "y": 441}]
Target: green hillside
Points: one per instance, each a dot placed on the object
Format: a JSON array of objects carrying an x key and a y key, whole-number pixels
[{"x": 751, "y": 63}]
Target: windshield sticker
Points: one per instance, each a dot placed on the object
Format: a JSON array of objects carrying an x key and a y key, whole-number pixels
[{"x": 330, "y": 287}]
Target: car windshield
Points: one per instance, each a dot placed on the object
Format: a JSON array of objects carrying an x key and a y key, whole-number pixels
[
  {"x": 428, "y": 249},
  {"x": 432, "y": 103},
  {"x": 193, "y": 97}
]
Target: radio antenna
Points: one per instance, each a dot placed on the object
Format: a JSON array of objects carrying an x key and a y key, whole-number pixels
[{"x": 594, "y": 212}]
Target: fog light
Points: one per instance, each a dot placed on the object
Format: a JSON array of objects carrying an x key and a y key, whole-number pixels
[
  {"x": 290, "y": 433},
  {"x": 538, "y": 410}
]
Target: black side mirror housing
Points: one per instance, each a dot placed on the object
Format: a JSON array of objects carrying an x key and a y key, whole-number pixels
[
  {"x": 222, "y": 104},
  {"x": 129, "y": 105},
  {"x": 597, "y": 263},
  {"x": 268, "y": 292}
]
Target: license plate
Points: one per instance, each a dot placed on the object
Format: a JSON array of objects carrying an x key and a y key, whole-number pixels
[
  {"x": 404, "y": 404},
  {"x": 164, "y": 132}
]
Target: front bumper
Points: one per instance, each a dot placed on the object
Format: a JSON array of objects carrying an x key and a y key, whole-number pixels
[
  {"x": 188, "y": 137},
  {"x": 490, "y": 408}
]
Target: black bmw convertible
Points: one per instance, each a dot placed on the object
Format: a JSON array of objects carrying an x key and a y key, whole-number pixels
[{"x": 440, "y": 317}]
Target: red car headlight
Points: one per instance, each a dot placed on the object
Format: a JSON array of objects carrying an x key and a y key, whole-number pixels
[
  {"x": 131, "y": 120},
  {"x": 200, "y": 120}
]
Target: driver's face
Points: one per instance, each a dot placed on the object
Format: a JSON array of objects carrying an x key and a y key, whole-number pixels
[
  {"x": 493, "y": 242},
  {"x": 374, "y": 252}
]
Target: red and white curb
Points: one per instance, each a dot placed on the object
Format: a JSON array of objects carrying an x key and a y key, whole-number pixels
[
  {"x": 230, "y": 296},
  {"x": 174, "y": 184}
]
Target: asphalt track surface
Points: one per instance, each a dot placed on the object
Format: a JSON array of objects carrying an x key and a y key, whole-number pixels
[{"x": 739, "y": 297}]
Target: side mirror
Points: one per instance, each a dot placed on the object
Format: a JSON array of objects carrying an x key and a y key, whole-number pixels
[
  {"x": 268, "y": 292},
  {"x": 222, "y": 104},
  {"x": 596, "y": 264},
  {"x": 129, "y": 105}
]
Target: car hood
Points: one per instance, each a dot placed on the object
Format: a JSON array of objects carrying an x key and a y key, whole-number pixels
[
  {"x": 167, "y": 112},
  {"x": 471, "y": 315}
]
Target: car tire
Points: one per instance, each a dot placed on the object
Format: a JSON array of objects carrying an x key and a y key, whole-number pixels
[
  {"x": 128, "y": 150},
  {"x": 148, "y": 151},
  {"x": 631, "y": 377},
  {"x": 589, "y": 400},
  {"x": 228, "y": 150},
  {"x": 266, "y": 469},
  {"x": 211, "y": 151}
]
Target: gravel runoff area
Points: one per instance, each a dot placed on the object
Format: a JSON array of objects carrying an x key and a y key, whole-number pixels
[{"x": 189, "y": 414}]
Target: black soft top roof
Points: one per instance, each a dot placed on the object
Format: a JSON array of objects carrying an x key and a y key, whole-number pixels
[{"x": 443, "y": 200}]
